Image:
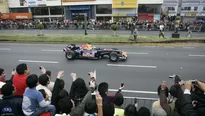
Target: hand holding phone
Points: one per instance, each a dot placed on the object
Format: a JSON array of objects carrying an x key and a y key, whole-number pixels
[
  {"x": 73, "y": 75},
  {"x": 60, "y": 74}
]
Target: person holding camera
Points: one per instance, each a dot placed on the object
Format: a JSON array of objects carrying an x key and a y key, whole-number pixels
[{"x": 193, "y": 98}]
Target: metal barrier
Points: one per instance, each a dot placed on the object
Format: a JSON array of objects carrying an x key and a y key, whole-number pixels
[{"x": 142, "y": 101}]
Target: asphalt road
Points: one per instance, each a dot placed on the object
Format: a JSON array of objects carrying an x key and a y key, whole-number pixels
[
  {"x": 143, "y": 72},
  {"x": 100, "y": 32}
]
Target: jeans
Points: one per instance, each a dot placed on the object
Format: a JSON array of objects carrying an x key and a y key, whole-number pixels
[{"x": 49, "y": 108}]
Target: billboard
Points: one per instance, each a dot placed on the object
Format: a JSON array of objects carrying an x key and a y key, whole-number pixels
[
  {"x": 34, "y": 3},
  {"x": 77, "y": 0},
  {"x": 124, "y": 3},
  {"x": 16, "y": 16}
]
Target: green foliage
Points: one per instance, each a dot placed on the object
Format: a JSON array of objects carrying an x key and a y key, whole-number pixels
[
  {"x": 114, "y": 27},
  {"x": 40, "y": 26}
]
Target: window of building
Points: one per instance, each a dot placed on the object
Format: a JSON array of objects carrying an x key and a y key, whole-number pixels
[
  {"x": 195, "y": 8},
  {"x": 203, "y": 8},
  {"x": 104, "y": 9},
  {"x": 18, "y": 10},
  {"x": 56, "y": 10},
  {"x": 171, "y": 8},
  {"x": 40, "y": 11},
  {"x": 186, "y": 8}
]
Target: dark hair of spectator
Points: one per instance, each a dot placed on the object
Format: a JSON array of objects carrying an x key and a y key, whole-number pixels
[
  {"x": 173, "y": 91},
  {"x": 143, "y": 111},
  {"x": 119, "y": 99},
  {"x": 108, "y": 108},
  {"x": 130, "y": 110},
  {"x": 103, "y": 88},
  {"x": 48, "y": 73},
  {"x": 65, "y": 105},
  {"x": 32, "y": 81},
  {"x": 43, "y": 92},
  {"x": 7, "y": 89},
  {"x": 166, "y": 91},
  {"x": 20, "y": 69},
  {"x": 1, "y": 71},
  {"x": 91, "y": 106},
  {"x": 43, "y": 79},
  {"x": 78, "y": 89}
]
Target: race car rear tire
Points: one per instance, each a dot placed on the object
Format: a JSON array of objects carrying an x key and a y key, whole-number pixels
[
  {"x": 70, "y": 55},
  {"x": 113, "y": 57}
]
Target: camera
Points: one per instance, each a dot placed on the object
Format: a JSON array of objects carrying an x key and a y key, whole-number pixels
[
  {"x": 40, "y": 67},
  {"x": 122, "y": 84}
]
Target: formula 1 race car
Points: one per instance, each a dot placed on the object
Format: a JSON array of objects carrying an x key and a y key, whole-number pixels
[{"x": 74, "y": 52}]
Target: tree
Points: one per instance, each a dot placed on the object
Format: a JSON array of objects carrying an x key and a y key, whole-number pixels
[
  {"x": 40, "y": 27},
  {"x": 114, "y": 27}
]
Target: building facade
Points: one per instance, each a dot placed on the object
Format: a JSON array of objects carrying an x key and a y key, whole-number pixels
[
  {"x": 191, "y": 9},
  {"x": 93, "y": 9},
  {"x": 4, "y": 8}
]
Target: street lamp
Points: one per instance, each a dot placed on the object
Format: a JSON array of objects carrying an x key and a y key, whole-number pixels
[
  {"x": 177, "y": 20},
  {"x": 62, "y": 9},
  {"x": 85, "y": 23}
]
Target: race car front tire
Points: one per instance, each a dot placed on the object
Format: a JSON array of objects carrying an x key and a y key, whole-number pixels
[
  {"x": 113, "y": 57},
  {"x": 70, "y": 55}
]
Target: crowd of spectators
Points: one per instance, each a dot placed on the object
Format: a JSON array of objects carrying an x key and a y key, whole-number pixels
[
  {"x": 27, "y": 94},
  {"x": 97, "y": 25}
]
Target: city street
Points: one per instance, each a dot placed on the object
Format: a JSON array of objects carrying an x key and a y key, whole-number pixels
[
  {"x": 144, "y": 70},
  {"x": 101, "y": 32}
]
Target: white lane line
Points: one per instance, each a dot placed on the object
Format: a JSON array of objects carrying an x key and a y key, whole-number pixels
[
  {"x": 62, "y": 50},
  {"x": 197, "y": 55},
  {"x": 51, "y": 50},
  {"x": 150, "y": 46},
  {"x": 5, "y": 49},
  {"x": 131, "y": 66},
  {"x": 34, "y": 61},
  {"x": 133, "y": 91},
  {"x": 189, "y": 47},
  {"x": 168, "y": 47},
  {"x": 137, "y": 53}
]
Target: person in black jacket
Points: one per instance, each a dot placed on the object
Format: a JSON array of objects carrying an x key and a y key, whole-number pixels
[
  {"x": 189, "y": 108},
  {"x": 10, "y": 105},
  {"x": 58, "y": 92}
]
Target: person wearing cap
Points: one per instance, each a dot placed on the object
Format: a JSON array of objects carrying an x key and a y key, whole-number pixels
[{"x": 10, "y": 104}]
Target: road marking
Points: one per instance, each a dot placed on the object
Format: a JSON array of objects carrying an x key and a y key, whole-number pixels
[
  {"x": 136, "y": 53},
  {"x": 197, "y": 55},
  {"x": 62, "y": 50},
  {"x": 150, "y": 46},
  {"x": 34, "y": 61},
  {"x": 131, "y": 66},
  {"x": 52, "y": 50},
  {"x": 168, "y": 47},
  {"x": 5, "y": 49},
  {"x": 189, "y": 47},
  {"x": 133, "y": 91}
]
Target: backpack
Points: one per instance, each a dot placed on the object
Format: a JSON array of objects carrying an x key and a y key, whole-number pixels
[{"x": 6, "y": 108}]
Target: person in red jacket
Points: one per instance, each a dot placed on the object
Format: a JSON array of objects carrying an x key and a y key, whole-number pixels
[{"x": 19, "y": 79}]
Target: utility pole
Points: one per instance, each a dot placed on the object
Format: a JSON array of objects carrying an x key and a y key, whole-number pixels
[
  {"x": 85, "y": 23},
  {"x": 177, "y": 20},
  {"x": 62, "y": 9}
]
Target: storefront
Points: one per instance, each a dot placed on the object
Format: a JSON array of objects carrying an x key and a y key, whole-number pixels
[
  {"x": 124, "y": 9},
  {"x": 78, "y": 12}
]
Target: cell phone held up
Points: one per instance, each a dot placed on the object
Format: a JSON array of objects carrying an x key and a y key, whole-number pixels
[
  {"x": 40, "y": 67},
  {"x": 122, "y": 84}
]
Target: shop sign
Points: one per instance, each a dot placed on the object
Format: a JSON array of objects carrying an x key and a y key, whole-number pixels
[{"x": 124, "y": 3}]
